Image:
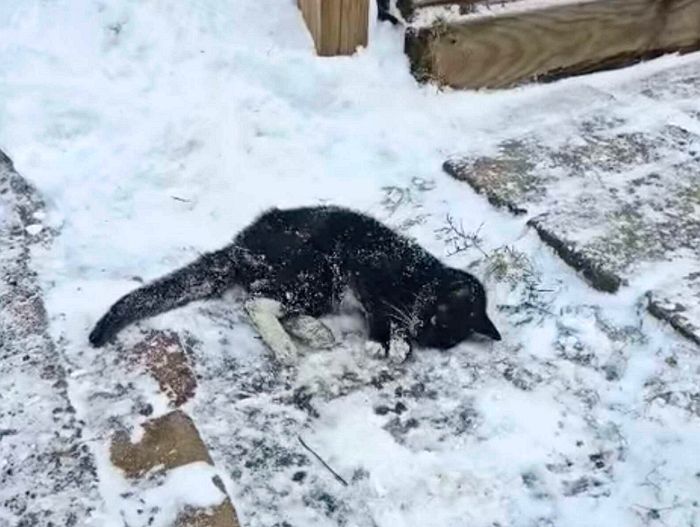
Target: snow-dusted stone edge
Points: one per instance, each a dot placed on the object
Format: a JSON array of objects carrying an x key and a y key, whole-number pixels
[
  {"x": 600, "y": 277},
  {"x": 680, "y": 306},
  {"x": 634, "y": 204},
  {"x": 47, "y": 471},
  {"x": 170, "y": 446},
  {"x": 34, "y": 490}
]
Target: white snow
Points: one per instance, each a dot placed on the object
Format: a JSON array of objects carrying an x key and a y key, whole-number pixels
[
  {"x": 182, "y": 487},
  {"x": 155, "y": 130},
  {"x": 34, "y": 228},
  {"x": 428, "y": 16}
]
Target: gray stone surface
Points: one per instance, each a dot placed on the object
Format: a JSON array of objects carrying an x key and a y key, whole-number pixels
[
  {"x": 47, "y": 474},
  {"x": 611, "y": 201},
  {"x": 611, "y": 196},
  {"x": 680, "y": 306}
]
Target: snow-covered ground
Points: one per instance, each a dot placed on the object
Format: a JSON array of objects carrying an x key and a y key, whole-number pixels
[{"x": 156, "y": 129}]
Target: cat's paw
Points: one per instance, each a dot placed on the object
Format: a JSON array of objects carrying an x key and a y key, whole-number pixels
[
  {"x": 310, "y": 331},
  {"x": 264, "y": 314},
  {"x": 265, "y": 305},
  {"x": 375, "y": 350},
  {"x": 399, "y": 350}
]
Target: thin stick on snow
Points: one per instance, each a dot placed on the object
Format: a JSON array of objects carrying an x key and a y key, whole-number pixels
[{"x": 335, "y": 474}]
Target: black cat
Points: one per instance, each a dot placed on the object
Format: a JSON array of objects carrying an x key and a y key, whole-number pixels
[{"x": 305, "y": 258}]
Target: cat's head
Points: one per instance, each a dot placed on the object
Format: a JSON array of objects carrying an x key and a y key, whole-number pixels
[{"x": 459, "y": 311}]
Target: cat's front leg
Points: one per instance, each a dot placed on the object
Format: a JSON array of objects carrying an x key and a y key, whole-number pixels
[
  {"x": 309, "y": 331},
  {"x": 265, "y": 315},
  {"x": 379, "y": 333},
  {"x": 387, "y": 339},
  {"x": 399, "y": 344}
]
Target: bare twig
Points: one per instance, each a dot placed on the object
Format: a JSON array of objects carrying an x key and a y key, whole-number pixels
[
  {"x": 649, "y": 482},
  {"x": 503, "y": 264},
  {"x": 395, "y": 197},
  {"x": 335, "y": 474},
  {"x": 460, "y": 240}
]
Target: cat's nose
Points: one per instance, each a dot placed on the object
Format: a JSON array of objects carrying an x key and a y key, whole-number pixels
[{"x": 487, "y": 328}]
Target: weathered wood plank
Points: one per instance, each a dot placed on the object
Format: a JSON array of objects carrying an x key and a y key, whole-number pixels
[
  {"x": 338, "y": 27},
  {"x": 311, "y": 11},
  {"x": 682, "y": 24},
  {"x": 354, "y": 26},
  {"x": 499, "y": 51},
  {"x": 330, "y": 28}
]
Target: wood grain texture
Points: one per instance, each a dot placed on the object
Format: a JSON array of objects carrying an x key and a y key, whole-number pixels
[
  {"x": 354, "y": 26},
  {"x": 311, "y": 11},
  {"x": 329, "y": 43},
  {"x": 503, "y": 50},
  {"x": 338, "y": 27},
  {"x": 682, "y": 25}
]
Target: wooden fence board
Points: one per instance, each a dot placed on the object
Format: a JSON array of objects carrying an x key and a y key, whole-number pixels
[
  {"x": 338, "y": 27},
  {"x": 354, "y": 25},
  {"x": 499, "y": 51}
]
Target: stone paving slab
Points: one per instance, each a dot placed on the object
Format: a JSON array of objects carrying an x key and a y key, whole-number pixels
[
  {"x": 608, "y": 197},
  {"x": 48, "y": 475},
  {"x": 680, "y": 306},
  {"x": 164, "y": 356},
  {"x": 172, "y": 440},
  {"x": 169, "y": 442}
]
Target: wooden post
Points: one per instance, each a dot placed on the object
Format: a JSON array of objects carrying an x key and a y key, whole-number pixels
[
  {"x": 565, "y": 38},
  {"x": 338, "y": 27}
]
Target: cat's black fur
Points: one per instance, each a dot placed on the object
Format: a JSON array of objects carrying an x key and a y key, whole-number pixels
[
  {"x": 384, "y": 12},
  {"x": 306, "y": 258}
]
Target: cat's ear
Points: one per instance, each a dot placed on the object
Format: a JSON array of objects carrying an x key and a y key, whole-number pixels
[
  {"x": 486, "y": 327},
  {"x": 462, "y": 291}
]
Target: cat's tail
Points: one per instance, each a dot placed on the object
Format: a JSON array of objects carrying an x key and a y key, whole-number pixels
[{"x": 207, "y": 277}]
